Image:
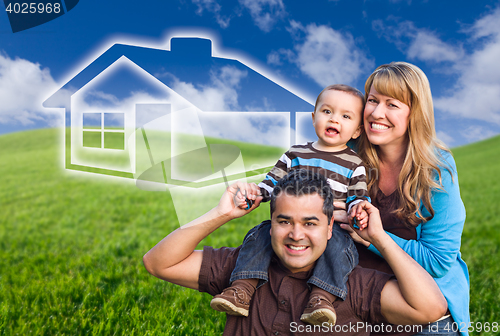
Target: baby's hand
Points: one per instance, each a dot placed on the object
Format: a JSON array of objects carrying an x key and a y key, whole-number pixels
[
  {"x": 359, "y": 217},
  {"x": 240, "y": 200},
  {"x": 246, "y": 196}
]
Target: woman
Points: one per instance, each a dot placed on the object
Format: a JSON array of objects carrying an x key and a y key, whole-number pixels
[{"x": 412, "y": 180}]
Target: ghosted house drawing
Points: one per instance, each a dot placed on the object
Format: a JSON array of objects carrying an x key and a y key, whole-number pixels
[{"x": 137, "y": 112}]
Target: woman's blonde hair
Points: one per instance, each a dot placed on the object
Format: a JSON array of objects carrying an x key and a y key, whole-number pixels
[{"x": 408, "y": 84}]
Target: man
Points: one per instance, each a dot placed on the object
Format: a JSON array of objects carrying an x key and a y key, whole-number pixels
[{"x": 301, "y": 225}]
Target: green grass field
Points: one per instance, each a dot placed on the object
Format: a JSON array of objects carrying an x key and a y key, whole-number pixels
[
  {"x": 71, "y": 246},
  {"x": 478, "y": 165}
]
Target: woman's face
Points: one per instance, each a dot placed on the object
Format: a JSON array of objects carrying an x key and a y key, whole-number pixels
[{"x": 386, "y": 120}]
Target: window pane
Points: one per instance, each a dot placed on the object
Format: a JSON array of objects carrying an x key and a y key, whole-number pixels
[
  {"x": 114, "y": 121},
  {"x": 92, "y": 139},
  {"x": 92, "y": 120},
  {"x": 114, "y": 140}
]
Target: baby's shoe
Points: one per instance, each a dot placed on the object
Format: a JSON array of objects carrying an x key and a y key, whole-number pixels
[
  {"x": 235, "y": 300},
  {"x": 319, "y": 310}
]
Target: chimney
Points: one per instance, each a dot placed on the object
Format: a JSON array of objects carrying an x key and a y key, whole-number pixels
[{"x": 191, "y": 46}]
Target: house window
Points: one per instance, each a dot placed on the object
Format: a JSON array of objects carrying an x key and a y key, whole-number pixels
[{"x": 104, "y": 130}]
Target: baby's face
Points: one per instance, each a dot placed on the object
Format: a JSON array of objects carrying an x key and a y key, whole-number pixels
[{"x": 337, "y": 119}]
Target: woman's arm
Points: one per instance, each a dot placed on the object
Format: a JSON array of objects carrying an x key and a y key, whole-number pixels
[
  {"x": 415, "y": 297},
  {"x": 439, "y": 243}
]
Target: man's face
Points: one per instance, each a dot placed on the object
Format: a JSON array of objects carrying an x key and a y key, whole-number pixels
[{"x": 299, "y": 230}]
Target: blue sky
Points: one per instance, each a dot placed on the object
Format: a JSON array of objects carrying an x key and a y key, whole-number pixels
[{"x": 305, "y": 46}]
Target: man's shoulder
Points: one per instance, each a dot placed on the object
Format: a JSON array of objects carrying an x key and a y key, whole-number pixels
[
  {"x": 210, "y": 252},
  {"x": 364, "y": 293},
  {"x": 223, "y": 254},
  {"x": 362, "y": 278},
  {"x": 216, "y": 268},
  {"x": 363, "y": 271}
]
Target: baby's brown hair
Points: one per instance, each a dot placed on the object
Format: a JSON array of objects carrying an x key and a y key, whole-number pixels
[{"x": 344, "y": 88}]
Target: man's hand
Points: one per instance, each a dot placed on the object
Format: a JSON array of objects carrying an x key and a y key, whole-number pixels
[
  {"x": 174, "y": 258},
  {"x": 354, "y": 235},
  {"x": 246, "y": 197},
  {"x": 233, "y": 202},
  {"x": 340, "y": 215}
]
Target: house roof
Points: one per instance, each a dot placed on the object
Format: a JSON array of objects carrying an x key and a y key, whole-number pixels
[{"x": 190, "y": 60}]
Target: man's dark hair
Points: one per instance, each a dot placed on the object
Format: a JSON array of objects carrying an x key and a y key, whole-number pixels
[{"x": 299, "y": 182}]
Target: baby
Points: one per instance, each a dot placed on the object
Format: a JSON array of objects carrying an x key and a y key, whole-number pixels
[{"x": 337, "y": 118}]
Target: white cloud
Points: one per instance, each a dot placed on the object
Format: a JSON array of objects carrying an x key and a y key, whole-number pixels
[
  {"x": 265, "y": 13},
  {"x": 446, "y": 138},
  {"x": 274, "y": 58},
  {"x": 268, "y": 128},
  {"x": 418, "y": 43},
  {"x": 103, "y": 98},
  {"x": 220, "y": 95},
  {"x": 477, "y": 133},
  {"x": 476, "y": 94},
  {"x": 328, "y": 56},
  {"x": 428, "y": 47},
  {"x": 99, "y": 100},
  {"x": 23, "y": 87},
  {"x": 277, "y": 57},
  {"x": 486, "y": 26},
  {"x": 213, "y": 7}
]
